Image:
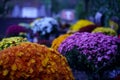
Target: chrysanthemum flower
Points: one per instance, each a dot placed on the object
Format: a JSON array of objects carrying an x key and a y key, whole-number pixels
[
  {"x": 45, "y": 26},
  {"x": 95, "y": 48},
  {"x": 80, "y": 24},
  {"x": 56, "y": 42},
  {"x": 11, "y": 41},
  {"x": 14, "y": 30},
  {"x": 104, "y": 30},
  {"x": 31, "y": 61}
]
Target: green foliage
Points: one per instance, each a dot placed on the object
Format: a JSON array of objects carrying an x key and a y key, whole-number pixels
[
  {"x": 79, "y": 61},
  {"x": 1, "y": 9},
  {"x": 80, "y": 12},
  {"x": 108, "y": 8},
  {"x": 55, "y": 6}
]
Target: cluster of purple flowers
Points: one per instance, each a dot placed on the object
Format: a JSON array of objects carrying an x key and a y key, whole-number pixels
[{"x": 97, "y": 47}]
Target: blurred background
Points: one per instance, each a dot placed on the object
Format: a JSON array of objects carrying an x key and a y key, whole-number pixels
[
  {"x": 66, "y": 11},
  {"x": 57, "y": 8}
]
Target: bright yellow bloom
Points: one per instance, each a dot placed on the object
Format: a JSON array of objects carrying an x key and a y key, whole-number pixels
[
  {"x": 104, "y": 30},
  {"x": 80, "y": 24},
  {"x": 12, "y": 41}
]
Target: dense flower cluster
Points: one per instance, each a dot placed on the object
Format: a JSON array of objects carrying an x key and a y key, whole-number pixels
[
  {"x": 12, "y": 41},
  {"x": 56, "y": 42},
  {"x": 88, "y": 28},
  {"x": 96, "y": 47},
  {"x": 80, "y": 24},
  {"x": 44, "y": 26},
  {"x": 32, "y": 24},
  {"x": 15, "y": 30},
  {"x": 31, "y": 61},
  {"x": 106, "y": 31}
]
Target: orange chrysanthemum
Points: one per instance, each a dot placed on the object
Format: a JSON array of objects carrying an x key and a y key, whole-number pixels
[
  {"x": 56, "y": 42},
  {"x": 31, "y": 61}
]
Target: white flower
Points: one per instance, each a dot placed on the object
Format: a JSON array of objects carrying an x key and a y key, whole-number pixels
[{"x": 44, "y": 25}]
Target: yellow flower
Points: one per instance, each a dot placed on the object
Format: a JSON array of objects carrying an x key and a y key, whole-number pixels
[
  {"x": 105, "y": 30},
  {"x": 11, "y": 41},
  {"x": 45, "y": 61},
  {"x": 5, "y": 72},
  {"x": 80, "y": 24},
  {"x": 14, "y": 67}
]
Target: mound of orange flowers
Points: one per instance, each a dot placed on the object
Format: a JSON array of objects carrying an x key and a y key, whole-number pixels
[
  {"x": 31, "y": 61},
  {"x": 56, "y": 42}
]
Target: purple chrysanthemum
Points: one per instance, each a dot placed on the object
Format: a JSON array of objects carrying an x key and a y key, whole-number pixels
[{"x": 97, "y": 47}]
